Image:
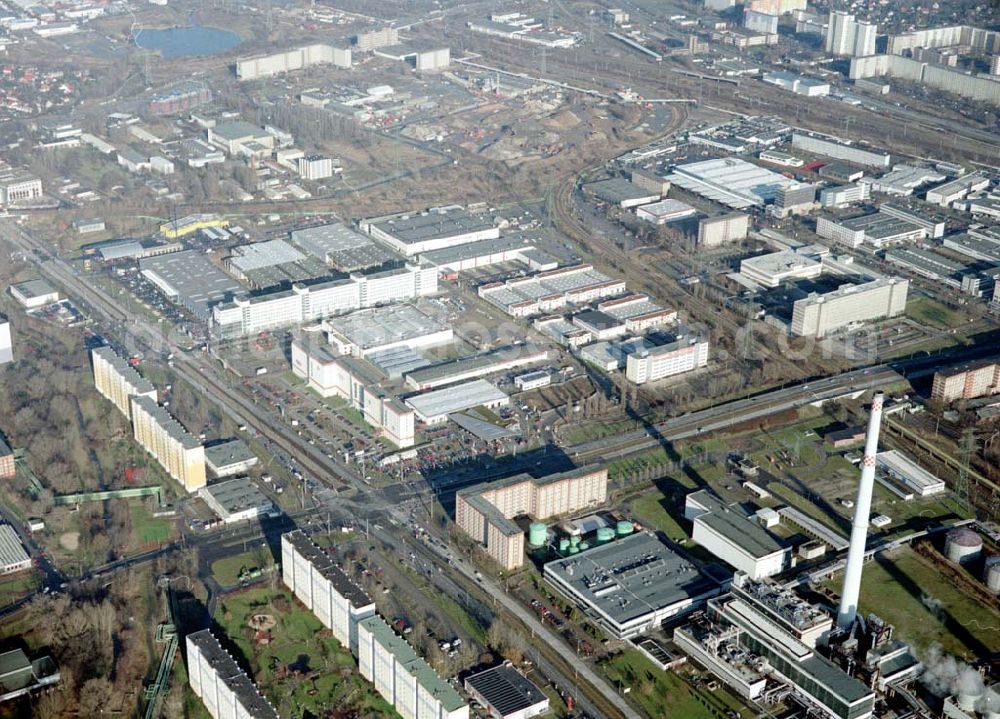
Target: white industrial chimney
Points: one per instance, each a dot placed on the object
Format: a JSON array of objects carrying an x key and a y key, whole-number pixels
[{"x": 862, "y": 513}]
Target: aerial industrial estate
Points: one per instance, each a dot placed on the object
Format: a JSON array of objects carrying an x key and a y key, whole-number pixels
[{"x": 449, "y": 360}]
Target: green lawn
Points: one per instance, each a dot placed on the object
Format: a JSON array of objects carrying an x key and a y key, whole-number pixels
[
  {"x": 227, "y": 570},
  {"x": 900, "y": 585},
  {"x": 586, "y": 432},
  {"x": 298, "y": 639},
  {"x": 149, "y": 529},
  {"x": 15, "y": 586},
  {"x": 931, "y": 312},
  {"x": 650, "y": 511},
  {"x": 665, "y": 695}
]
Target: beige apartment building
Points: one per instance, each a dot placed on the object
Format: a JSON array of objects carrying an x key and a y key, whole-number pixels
[
  {"x": 486, "y": 511},
  {"x": 118, "y": 381},
  {"x": 180, "y": 454},
  {"x": 968, "y": 382}
]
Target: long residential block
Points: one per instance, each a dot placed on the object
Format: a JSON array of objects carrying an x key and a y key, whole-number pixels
[
  {"x": 180, "y": 454},
  {"x": 485, "y": 511},
  {"x": 118, "y": 381},
  {"x": 403, "y": 678},
  {"x": 330, "y": 594},
  {"x": 215, "y": 678}
]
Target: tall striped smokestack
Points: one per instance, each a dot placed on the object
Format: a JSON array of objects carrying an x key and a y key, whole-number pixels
[{"x": 862, "y": 512}]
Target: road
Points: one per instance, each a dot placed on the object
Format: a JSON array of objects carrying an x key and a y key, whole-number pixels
[{"x": 201, "y": 374}]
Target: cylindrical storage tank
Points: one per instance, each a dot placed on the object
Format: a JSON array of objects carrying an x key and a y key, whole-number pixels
[
  {"x": 574, "y": 540},
  {"x": 605, "y": 535},
  {"x": 962, "y": 545},
  {"x": 563, "y": 545},
  {"x": 991, "y": 575},
  {"x": 574, "y": 549},
  {"x": 623, "y": 528},
  {"x": 584, "y": 546},
  {"x": 537, "y": 534}
]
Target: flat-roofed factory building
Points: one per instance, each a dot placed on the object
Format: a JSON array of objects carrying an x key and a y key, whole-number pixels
[
  {"x": 632, "y": 585},
  {"x": 434, "y": 407},
  {"x": 506, "y": 693},
  {"x": 236, "y": 500},
  {"x": 413, "y": 233}
]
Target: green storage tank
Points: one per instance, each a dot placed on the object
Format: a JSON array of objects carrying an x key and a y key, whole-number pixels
[
  {"x": 623, "y": 528},
  {"x": 563, "y": 545},
  {"x": 537, "y": 534},
  {"x": 574, "y": 540},
  {"x": 584, "y": 546},
  {"x": 605, "y": 535},
  {"x": 574, "y": 549}
]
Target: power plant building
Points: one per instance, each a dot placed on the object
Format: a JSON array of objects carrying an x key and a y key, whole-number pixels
[
  {"x": 631, "y": 585},
  {"x": 820, "y": 314},
  {"x": 115, "y": 379},
  {"x": 485, "y": 511},
  {"x": 758, "y": 635},
  {"x": 215, "y": 678},
  {"x": 180, "y": 454},
  {"x": 734, "y": 537}
]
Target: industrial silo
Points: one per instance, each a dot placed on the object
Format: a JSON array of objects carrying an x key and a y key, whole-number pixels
[
  {"x": 605, "y": 535},
  {"x": 623, "y": 528},
  {"x": 991, "y": 574},
  {"x": 962, "y": 545},
  {"x": 537, "y": 534}
]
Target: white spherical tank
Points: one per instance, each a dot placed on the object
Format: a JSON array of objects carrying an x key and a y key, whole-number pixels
[
  {"x": 991, "y": 574},
  {"x": 962, "y": 545}
]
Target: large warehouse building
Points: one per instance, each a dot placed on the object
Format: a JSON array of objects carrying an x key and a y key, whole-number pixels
[
  {"x": 485, "y": 511},
  {"x": 730, "y": 181},
  {"x": 191, "y": 280},
  {"x": 416, "y": 232},
  {"x": 831, "y": 147},
  {"x": 550, "y": 291},
  {"x": 435, "y": 406},
  {"x": 820, "y": 314},
  {"x": 772, "y": 269},
  {"x": 481, "y": 365},
  {"x": 631, "y": 585},
  {"x": 380, "y": 329},
  {"x": 339, "y": 246}
]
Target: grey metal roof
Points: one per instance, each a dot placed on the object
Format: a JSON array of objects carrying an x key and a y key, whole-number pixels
[{"x": 506, "y": 689}]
